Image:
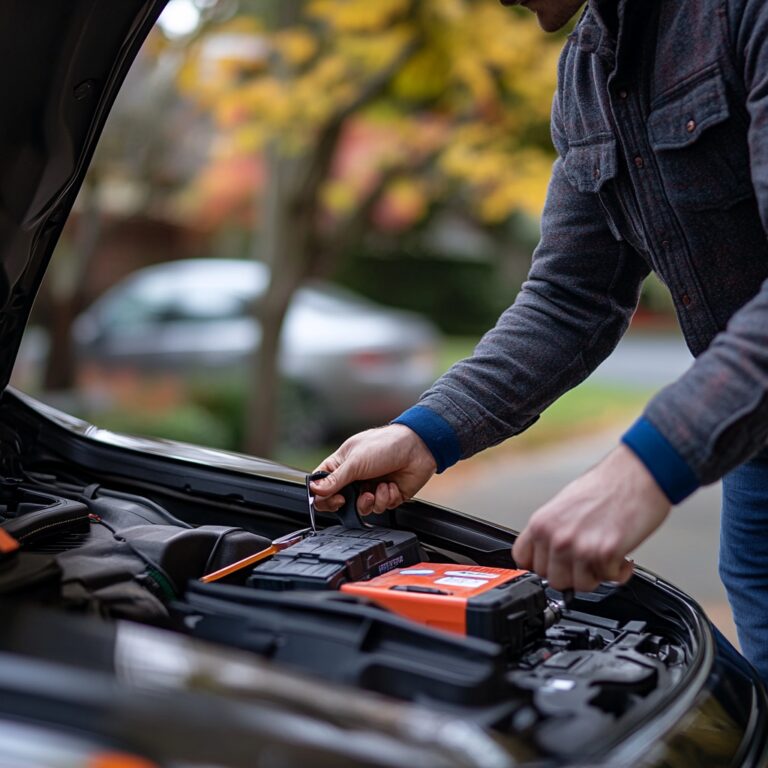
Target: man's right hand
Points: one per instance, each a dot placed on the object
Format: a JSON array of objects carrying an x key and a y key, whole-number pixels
[{"x": 392, "y": 463}]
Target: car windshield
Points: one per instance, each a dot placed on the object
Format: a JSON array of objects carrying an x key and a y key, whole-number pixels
[{"x": 213, "y": 292}]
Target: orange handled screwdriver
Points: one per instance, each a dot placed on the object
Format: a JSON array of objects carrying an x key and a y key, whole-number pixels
[{"x": 276, "y": 546}]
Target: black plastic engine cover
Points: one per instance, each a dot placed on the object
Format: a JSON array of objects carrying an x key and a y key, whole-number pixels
[{"x": 347, "y": 641}]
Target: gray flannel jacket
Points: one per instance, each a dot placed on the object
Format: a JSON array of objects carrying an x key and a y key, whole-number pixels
[{"x": 661, "y": 128}]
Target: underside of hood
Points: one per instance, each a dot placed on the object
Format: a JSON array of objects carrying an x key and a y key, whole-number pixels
[{"x": 61, "y": 66}]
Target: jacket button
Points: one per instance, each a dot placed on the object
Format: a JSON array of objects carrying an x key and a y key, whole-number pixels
[
  {"x": 686, "y": 299},
  {"x": 639, "y": 162},
  {"x": 623, "y": 94},
  {"x": 690, "y": 126},
  {"x": 596, "y": 173},
  {"x": 665, "y": 244}
]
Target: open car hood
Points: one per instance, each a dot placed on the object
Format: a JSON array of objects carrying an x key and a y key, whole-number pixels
[{"x": 61, "y": 66}]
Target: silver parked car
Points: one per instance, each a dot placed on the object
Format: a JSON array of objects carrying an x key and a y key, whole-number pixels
[{"x": 354, "y": 363}]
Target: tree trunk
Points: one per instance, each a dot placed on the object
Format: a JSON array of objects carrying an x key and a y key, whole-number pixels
[
  {"x": 67, "y": 290},
  {"x": 290, "y": 243},
  {"x": 287, "y": 225},
  {"x": 60, "y": 364},
  {"x": 264, "y": 392}
]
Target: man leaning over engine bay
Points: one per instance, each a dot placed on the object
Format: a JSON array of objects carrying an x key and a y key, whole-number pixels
[{"x": 660, "y": 123}]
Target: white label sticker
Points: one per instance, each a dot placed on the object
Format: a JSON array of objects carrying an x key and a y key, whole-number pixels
[
  {"x": 472, "y": 574},
  {"x": 453, "y": 581},
  {"x": 560, "y": 685},
  {"x": 417, "y": 572}
]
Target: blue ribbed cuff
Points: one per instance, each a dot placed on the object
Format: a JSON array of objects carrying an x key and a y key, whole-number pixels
[
  {"x": 669, "y": 469},
  {"x": 436, "y": 432}
]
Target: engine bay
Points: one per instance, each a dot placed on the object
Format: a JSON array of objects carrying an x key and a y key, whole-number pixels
[{"x": 375, "y": 607}]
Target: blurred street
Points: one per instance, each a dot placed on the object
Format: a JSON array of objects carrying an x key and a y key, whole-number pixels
[
  {"x": 506, "y": 486},
  {"x": 645, "y": 360}
]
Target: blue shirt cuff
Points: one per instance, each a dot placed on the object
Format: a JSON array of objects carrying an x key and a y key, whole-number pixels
[
  {"x": 436, "y": 432},
  {"x": 669, "y": 469}
]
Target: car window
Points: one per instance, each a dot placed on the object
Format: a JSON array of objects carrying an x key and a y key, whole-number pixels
[
  {"x": 164, "y": 302},
  {"x": 327, "y": 298},
  {"x": 126, "y": 311}
]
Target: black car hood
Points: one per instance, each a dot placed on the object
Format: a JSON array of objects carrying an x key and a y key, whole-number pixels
[{"x": 62, "y": 63}]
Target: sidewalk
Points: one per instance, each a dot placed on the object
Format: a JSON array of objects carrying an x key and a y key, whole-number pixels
[{"x": 506, "y": 487}]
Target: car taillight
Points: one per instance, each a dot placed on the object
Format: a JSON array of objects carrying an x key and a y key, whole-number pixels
[{"x": 372, "y": 359}]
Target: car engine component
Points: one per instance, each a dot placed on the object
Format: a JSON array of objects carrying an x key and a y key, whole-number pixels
[
  {"x": 335, "y": 556},
  {"x": 349, "y": 606}
]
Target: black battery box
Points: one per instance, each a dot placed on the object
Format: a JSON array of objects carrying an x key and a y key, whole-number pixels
[{"x": 335, "y": 556}]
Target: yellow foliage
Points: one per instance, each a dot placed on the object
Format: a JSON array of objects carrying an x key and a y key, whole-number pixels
[
  {"x": 296, "y": 46},
  {"x": 501, "y": 181},
  {"x": 366, "y": 54},
  {"x": 476, "y": 77},
  {"x": 408, "y": 197},
  {"x": 522, "y": 187},
  {"x": 339, "y": 196},
  {"x": 476, "y": 94},
  {"x": 249, "y": 138},
  {"x": 424, "y": 76},
  {"x": 453, "y": 12},
  {"x": 357, "y": 15}
]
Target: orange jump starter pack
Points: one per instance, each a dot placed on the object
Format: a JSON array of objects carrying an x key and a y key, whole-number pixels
[{"x": 503, "y": 605}]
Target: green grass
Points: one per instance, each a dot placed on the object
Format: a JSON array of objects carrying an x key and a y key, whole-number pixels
[
  {"x": 586, "y": 409},
  {"x": 454, "y": 348}
]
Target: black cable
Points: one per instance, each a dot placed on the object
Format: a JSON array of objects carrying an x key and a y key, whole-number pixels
[
  {"x": 77, "y": 493},
  {"x": 214, "y": 503},
  {"x": 164, "y": 513},
  {"x": 219, "y": 539}
]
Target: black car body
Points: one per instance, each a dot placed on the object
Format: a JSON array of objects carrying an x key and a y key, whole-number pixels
[{"x": 147, "y": 666}]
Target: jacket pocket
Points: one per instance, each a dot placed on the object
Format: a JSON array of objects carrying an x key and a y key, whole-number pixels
[
  {"x": 591, "y": 167},
  {"x": 700, "y": 147}
]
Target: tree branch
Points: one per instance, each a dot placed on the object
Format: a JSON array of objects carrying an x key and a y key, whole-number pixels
[
  {"x": 354, "y": 226},
  {"x": 329, "y": 135},
  {"x": 379, "y": 81}
]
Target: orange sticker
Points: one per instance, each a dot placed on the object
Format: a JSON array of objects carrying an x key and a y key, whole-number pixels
[
  {"x": 7, "y": 543},
  {"x": 119, "y": 760}
]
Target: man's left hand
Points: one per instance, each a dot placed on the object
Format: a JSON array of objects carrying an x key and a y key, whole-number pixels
[{"x": 583, "y": 535}]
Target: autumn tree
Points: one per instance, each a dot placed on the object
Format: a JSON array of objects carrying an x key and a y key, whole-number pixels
[{"x": 457, "y": 91}]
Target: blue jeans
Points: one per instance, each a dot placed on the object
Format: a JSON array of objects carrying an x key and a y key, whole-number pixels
[{"x": 744, "y": 556}]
